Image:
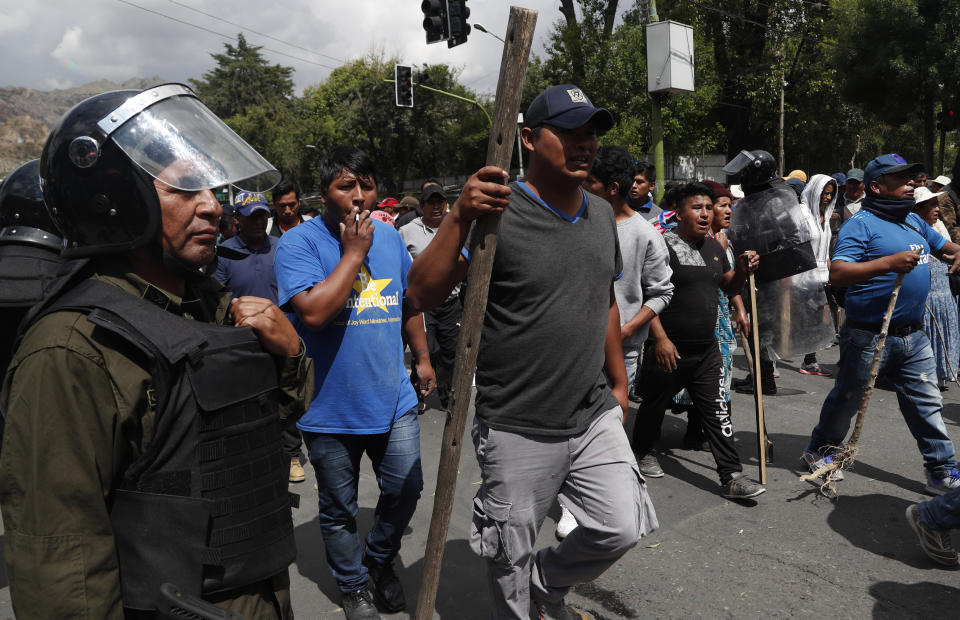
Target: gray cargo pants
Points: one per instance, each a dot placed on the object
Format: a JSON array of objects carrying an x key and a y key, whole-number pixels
[{"x": 594, "y": 473}]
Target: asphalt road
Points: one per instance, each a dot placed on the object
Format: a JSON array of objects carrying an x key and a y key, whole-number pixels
[{"x": 791, "y": 554}]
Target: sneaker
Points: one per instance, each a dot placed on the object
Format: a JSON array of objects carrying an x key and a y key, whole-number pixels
[
  {"x": 387, "y": 591},
  {"x": 776, "y": 373},
  {"x": 566, "y": 524},
  {"x": 558, "y": 611},
  {"x": 814, "y": 369},
  {"x": 650, "y": 467},
  {"x": 296, "y": 471},
  {"x": 939, "y": 486},
  {"x": 359, "y": 605},
  {"x": 813, "y": 462},
  {"x": 935, "y": 543},
  {"x": 741, "y": 487}
]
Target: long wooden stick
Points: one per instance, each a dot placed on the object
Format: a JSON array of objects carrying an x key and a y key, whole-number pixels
[
  {"x": 845, "y": 456},
  {"x": 513, "y": 66},
  {"x": 747, "y": 352},
  {"x": 757, "y": 388}
]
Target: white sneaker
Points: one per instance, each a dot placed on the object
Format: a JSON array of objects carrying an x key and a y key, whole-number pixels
[{"x": 566, "y": 524}]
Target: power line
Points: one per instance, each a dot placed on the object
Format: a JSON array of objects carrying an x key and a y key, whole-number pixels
[
  {"x": 220, "y": 34},
  {"x": 766, "y": 27},
  {"x": 262, "y": 34}
]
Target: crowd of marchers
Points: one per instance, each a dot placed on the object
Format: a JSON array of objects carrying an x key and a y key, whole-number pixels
[{"x": 172, "y": 364}]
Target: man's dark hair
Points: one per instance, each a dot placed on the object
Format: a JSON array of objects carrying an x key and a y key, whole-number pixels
[
  {"x": 614, "y": 164},
  {"x": 344, "y": 158},
  {"x": 283, "y": 188},
  {"x": 226, "y": 223},
  {"x": 648, "y": 170},
  {"x": 693, "y": 189}
]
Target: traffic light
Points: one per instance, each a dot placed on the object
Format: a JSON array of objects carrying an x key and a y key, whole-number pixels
[
  {"x": 403, "y": 85},
  {"x": 435, "y": 20},
  {"x": 458, "y": 12}
]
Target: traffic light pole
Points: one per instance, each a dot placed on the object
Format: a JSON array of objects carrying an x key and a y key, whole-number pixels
[
  {"x": 455, "y": 96},
  {"x": 513, "y": 66}
]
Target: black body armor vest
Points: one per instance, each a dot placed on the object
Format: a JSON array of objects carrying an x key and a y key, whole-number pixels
[{"x": 206, "y": 504}]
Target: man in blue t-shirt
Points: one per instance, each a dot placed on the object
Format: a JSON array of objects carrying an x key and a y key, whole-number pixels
[
  {"x": 345, "y": 274},
  {"x": 884, "y": 239}
]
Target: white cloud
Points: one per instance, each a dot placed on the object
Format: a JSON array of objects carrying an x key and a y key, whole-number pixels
[
  {"x": 70, "y": 42},
  {"x": 16, "y": 22}
]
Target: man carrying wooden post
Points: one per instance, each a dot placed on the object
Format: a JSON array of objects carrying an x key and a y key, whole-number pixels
[{"x": 547, "y": 420}]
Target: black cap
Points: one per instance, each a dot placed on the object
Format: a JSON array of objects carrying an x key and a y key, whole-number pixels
[
  {"x": 432, "y": 190},
  {"x": 566, "y": 106}
]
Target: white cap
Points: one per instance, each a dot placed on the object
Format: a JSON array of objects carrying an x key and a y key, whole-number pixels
[
  {"x": 737, "y": 191},
  {"x": 922, "y": 194},
  {"x": 942, "y": 180}
]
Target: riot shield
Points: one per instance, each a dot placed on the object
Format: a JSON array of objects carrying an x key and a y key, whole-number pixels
[{"x": 792, "y": 309}]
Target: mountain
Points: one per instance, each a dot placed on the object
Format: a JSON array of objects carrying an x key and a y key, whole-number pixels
[{"x": 26, "y": 115}]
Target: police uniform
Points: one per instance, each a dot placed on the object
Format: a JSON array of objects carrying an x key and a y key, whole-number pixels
[{"x": 79, "y": 412}]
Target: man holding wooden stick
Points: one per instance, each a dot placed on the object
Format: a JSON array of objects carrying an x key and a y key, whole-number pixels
[
  {"x": 879, "y": 242},
  {"x": 551, "y": 382}
]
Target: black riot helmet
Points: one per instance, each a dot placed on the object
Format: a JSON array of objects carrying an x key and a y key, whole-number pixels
[
  {"x": 23, "y": 218},
  {"x": 756, "y": 169},
  {"x": 99, "y": 163}
]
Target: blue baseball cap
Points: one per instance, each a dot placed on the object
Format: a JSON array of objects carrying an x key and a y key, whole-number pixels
[
  {"x": 839, "y": 177},
  {"x": 245, "y": 203},
  {"x": 888, "y": 164},
  {"x": 567, "y": 107},
  {"x": 795, "y": 184}
]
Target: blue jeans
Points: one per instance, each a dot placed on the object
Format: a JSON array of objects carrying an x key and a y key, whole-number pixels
[
  {"x": 908, "y": 364},
  {"x": 942, "y": 512},
  {"x": 336, "y": 461}
]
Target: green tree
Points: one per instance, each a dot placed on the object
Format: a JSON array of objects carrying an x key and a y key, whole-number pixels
[
  {"x": 439, "y": 136},
  {"x": 242, "y": 79}
]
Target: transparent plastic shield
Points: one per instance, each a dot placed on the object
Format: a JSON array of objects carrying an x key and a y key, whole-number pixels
[
  {"x": 181, "y": 142},
  {"x": 793, "y": 315},
  {"x": 792, "y": 311},
  {"x": 778, "y": 228},
  {"x": 738, "y": 163}
]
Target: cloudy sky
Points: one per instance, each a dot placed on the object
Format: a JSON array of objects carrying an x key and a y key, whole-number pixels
[{"x": 48, "y": 44}]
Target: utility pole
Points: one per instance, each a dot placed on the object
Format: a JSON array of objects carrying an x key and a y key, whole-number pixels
[
  {"x": 656, "y": 125},
  {"x": 783, "y": 87}
]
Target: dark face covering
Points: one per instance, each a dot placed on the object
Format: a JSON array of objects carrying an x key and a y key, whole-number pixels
[{"x": 895, "y": 209}]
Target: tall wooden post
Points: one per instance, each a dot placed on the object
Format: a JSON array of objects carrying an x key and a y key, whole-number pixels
[{"x": 513, "y": 67}]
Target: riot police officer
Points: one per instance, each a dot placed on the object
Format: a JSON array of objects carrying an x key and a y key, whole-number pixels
[{"x": 128, "y": 461}]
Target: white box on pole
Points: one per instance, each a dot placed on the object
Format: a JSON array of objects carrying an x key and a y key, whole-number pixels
[{"x": 669, "y": 57}]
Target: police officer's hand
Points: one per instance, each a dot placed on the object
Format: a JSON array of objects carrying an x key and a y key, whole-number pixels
[
  {"x": 483, "y": 193},
  {"x": 356, "y": 232},
  {"x": 271, "y": 325},
  {"x": 903, "y": 262},
  {"x": 749, "y": 261}
]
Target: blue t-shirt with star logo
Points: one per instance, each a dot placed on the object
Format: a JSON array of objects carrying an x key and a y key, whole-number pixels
[{"x": 362, "y": 386}]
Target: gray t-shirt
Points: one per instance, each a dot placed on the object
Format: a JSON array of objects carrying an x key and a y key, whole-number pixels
[
  {"x": 541, "y": 357},
  {"x": 417, "y": 236},
  {"x": 646, "y": 274}
]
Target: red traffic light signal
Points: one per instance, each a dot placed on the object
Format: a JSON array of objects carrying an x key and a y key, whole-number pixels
[{"x": 403, "y": 85}]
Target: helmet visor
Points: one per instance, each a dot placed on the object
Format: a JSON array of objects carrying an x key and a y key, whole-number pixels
[
  {"x": 738, "y": 163},
  {"x": 179, "y": 141}
]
